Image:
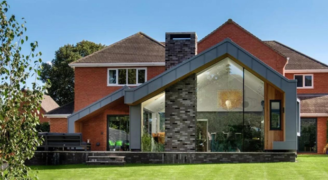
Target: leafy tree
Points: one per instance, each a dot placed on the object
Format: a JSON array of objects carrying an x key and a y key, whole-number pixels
[
  {"x": 19, "y": 110},
  {"x": 59, "y": 72}
]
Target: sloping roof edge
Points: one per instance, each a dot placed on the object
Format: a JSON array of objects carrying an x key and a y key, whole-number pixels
[
  {"x": 230, "y": 21},
  {"x": 94, "y": 107},
  {"x": 296, "y": 52},
  {"x": 105, "y": 48},
  {"x": 225, "y": 47}
]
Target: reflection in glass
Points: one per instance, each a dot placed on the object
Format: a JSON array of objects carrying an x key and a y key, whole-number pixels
[
  {"x": 220, "y": 105},
  {"x": 307, "y": 142},
  {"x": 118, "y": 133},
  {"x": 112, "y": 76},
  {"x": 122, "y": 76},
  {"x": 153, "y": 124},
  {"x": 275, "y": 115},
  {"x": 308, "y": 81},
  {"x": 230, "y": 104},
  {"x": 141, "y": 76},
  {"x": 253, "y": 113},
  {"x": 299, "y": 79},
  {"x": 132, "y": 76}
]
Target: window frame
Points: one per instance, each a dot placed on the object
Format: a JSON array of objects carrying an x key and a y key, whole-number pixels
[
  {"x": 303, "y": 81},
  {"x": 280, "y": 111},
  {"x": 127, "y": 75}
]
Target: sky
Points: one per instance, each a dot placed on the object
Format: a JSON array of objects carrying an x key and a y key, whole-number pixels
[{"x": 300, "y": 24}]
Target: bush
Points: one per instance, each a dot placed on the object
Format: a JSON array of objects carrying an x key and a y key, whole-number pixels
[{"x": 43, "y": 127}]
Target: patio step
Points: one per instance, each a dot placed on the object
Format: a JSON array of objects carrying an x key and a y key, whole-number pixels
[
  {"x": 105, "y": 163},
  {"x": 106, "y": 160}
]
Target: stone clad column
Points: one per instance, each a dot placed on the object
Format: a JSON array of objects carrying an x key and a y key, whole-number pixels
[{"x": 180, "y": 98}]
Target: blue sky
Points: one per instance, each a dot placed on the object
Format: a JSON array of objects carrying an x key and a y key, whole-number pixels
[{"x": 300, "y": 24}]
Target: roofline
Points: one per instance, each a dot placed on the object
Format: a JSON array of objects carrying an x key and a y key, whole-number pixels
[
  {"x": 298, "y": 52},
  {"x": 115, "y": 44},
  {"x": 314, "y": 114},
  {"x": 306, "y": 71},
  {"x": 57, "y": 115},
  {"x": 117, "y": 64},
  {"x": 230, "y": 21},
  {"x": 226, "y": 46}
]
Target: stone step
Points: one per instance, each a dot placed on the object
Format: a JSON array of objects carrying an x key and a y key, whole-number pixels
[
  {"x": 105, "y": 162},
  {"x": 117, "y": 157}
]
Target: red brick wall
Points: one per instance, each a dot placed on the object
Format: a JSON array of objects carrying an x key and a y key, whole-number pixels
[
  {"x": 320, "y": 84},
  {"x": 321, "y": 134},
  {"x": 95, "y": 128},
  {"x": 58, "y": 125},
  {"x": 247, "y": 41},
  {"x": 42, "y": 117},
  {"x": 91, "y": 84}
]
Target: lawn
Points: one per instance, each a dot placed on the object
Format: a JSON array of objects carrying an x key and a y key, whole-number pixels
[{"x": 306, "y": 167}]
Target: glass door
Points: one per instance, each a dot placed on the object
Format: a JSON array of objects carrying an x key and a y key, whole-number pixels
[
  {"x": 307, "y": 142},
  {"x": 118, "y": 133}
]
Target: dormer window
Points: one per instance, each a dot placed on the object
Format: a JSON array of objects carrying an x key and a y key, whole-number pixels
[
  {"x": 304, "y": 80},
  {"x": 126, "y": 76}
]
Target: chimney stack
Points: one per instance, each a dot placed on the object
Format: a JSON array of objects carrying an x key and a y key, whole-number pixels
[{"x": 179, "y": 46}]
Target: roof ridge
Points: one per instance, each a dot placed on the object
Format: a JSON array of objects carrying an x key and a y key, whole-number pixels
[
  {"x": 115, "y": 43},
  {"x": 151, "y": 38},
  {"x": 230, "y": 21},
  {"x": 298, "y": 52}
]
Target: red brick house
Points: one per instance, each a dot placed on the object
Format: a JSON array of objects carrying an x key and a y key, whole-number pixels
[{"x": 139, "y": 58}]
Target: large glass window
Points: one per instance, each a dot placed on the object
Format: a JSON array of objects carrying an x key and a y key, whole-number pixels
[
  {"x": 153, "y": 124},
  {"x": 118, "y": 133},
  {"x": 126, "y": 76},
  {"x": 230, "y": 104},
  {"x": 307, "y": 142}
]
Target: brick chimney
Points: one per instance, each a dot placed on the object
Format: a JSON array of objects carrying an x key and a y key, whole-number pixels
[{"x": 179, "y": 46}]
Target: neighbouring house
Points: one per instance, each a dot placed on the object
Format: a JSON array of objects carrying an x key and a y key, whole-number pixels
[
  {"x": 47, "y": 105},
  {"x": 228, "y": 92}
]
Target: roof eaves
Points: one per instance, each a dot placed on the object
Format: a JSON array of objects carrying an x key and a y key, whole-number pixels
[{"x": 298, "y": 52}]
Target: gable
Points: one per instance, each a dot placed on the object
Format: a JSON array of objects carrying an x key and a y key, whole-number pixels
[{"x": 246, "y": 40}]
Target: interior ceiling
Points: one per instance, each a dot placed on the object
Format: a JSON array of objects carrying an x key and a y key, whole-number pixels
[{"x": 155, "y": 104}]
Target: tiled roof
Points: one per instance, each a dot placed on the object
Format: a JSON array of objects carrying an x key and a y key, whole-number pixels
[
  {"x": 230, "y": 21},
  {"x": 297, "y": 60},
  {"x": 64, "y": 109},
  {"x": 311, "y": 103},
  {"x": 48, "y": 103},
  {"x": 136, "y": 48}
]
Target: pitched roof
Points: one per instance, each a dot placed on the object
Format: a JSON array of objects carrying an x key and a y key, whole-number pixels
[
  {"x": 48, "y": 103},
  {"x": 136, "y": 48},
  {"x": 230, "y": 21},
  {"x": 64, "y": 109},
  {"x": 311, "y": 103},
  {"x": 297, "y": 60}
]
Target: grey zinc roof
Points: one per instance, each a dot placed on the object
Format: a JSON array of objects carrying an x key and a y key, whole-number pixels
[
  {"x": 297, "y": 60},
  {"x": 314, "y": 103},
  {"x": 94, "y": 107},
  {"x": 225, "y": 47},
  {"x": 136, "y": 48}
]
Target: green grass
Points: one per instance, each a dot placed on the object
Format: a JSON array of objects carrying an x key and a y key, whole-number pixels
[{"x": 306, "y": 167}]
